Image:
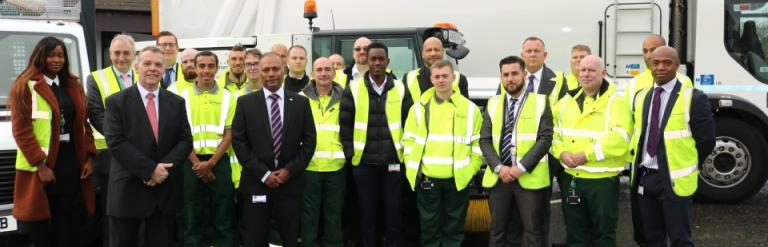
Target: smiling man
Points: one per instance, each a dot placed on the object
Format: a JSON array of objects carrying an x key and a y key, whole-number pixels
[{"x": 103, "y": 83}]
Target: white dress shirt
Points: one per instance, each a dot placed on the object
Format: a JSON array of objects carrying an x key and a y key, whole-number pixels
[
  {"x": 648, "y": 161},
  {"x": 281, "y": 102},
  {"x": 143, "y": 92},
  {"x": 536, "y": 79}
]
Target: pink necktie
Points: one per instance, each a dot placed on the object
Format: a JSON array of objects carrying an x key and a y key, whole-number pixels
[
  {"x": 152, "y": 113},
  {"x": 126, "y": 80}
]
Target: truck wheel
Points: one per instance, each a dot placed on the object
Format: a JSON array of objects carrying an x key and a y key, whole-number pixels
[{"x": 736, "y": 169}]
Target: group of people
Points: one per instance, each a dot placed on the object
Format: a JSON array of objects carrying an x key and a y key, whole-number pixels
[{"x": 169, "y": 154}]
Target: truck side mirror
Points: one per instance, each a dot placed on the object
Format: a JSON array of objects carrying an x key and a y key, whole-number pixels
[{"x": 458, "y": 52}]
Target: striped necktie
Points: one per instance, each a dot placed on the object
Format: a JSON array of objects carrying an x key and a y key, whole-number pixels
[
  {"x": 506, "y": 151},
  {"x": 277, "y": 125}
]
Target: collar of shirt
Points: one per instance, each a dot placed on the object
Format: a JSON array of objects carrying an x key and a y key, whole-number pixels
[
  {"x": 143, "y": 92},
  {"x": 50, "y": 81},
  {"x": 355, "y": 72},
  {"x": 280, "y": 92},
  {"x": 120, "y": 75},
  {"x": 378, "y": 88},
  {"x": 667, "y": 87},
  {"x": 518, "y": 102},
  {"x": 212, "y": 90},
  {"x": 536, "y": 74}
]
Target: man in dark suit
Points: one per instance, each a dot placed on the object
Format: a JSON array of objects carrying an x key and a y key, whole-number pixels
[
  {"x": 149, "y": 139},
  {"x": 273, "y": 134},
  {"x": 677, "y": 132}
]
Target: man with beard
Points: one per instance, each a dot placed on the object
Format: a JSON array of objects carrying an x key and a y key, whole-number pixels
[
  {"x": 234, "y": 79},
  {"x": 357, "y": 70},
  {"x": 515, "y": 138},
  {"x": 188, "y": 67}
]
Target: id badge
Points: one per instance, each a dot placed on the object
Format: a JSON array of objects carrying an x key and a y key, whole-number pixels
[
  {"x": 572, "y": 198},
  {"x": 640, "y": 190},
  {"x": 427, "y": 185},
  {"x": 393, "y": 168},
  {"x": 64, "y": 137}
]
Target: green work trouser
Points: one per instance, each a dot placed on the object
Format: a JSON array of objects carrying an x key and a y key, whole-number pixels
[
  {"x": 208, "y": 203},
  {"x": 591, "y": 222},
  {"x": 442, "y": 213},
  {"x": 325, "y": 190}
]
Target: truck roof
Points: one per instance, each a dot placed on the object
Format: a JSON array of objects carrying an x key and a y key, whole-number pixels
[{"x": 402, "y": 30}]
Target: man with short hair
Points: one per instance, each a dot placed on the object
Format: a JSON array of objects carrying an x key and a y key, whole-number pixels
[
  {"x": 325, "y": 175},
  {"x": 252, "y": 59},
  {"x": 439, "y": 169},
  {"x": 168, "y": 42},
  {"x": 515, "y": 138},
  {"x": 273, "y": 135},
  {"x": 101, "y": 84},
  {"x": 373, "y": 110},
  {"x": 338, "y": 61},
  {"x": 578, "y": 52},
  {"x": 355, "y": 71},
  {"x": 149, "y": 140},
  {"x": 592, "y": 131},
  {"x": 297, "y": 78},
  {"x": 208, "y": 189},
  {"x": 188, "y": 67},
  {"x": 233, "y": 79},
  {"x": 675, "y": 132}
]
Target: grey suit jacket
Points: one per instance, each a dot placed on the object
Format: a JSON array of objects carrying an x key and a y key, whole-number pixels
[{"x": 531, "y": 159}]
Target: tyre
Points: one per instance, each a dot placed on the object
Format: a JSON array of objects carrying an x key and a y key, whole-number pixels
[{"x": 736, "y": 168}]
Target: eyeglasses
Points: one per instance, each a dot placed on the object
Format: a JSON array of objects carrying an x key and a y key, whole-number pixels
[
  {"x": 251, "y": 65},
  {"x": 167, "y": 45},
  {"x": 360, "y": 48}
]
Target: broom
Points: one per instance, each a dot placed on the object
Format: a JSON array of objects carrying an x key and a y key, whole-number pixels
[{"x": 478, "y": 213}]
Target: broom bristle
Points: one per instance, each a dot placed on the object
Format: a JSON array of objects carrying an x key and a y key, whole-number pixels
[{"x": 478, "y": 216}]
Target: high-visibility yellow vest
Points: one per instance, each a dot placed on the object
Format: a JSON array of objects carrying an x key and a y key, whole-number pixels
[
  {"x": 231, "y": 87},
  {"x": 601, "y": 130},
  {"x": 445, "y": 150},
  {"x": 237, "y": 168},
  {"x": 415, "y": 90},
  {"x": 179, "y": 86},
  {"x": 340, "y": 78},
  {"x": 572, "y": 81},
  {"x": 329, "y": 153},
  {"x": 42, "y": 115},
  {"x": 526, "y": 128},
  {"x": 645, "y": 80},
  {"x": 682, "y": 155},
  {"x": 553, "y": 96},
  {"x": 209, "y": 114},
  {"x": 393, "y": 111},
  {"x": 108, "y": 84}
]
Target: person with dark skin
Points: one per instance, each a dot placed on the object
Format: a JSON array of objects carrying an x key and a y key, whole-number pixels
[{"x": 55, "y": 147}]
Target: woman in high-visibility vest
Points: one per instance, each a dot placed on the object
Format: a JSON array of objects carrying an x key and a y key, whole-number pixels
[{"x": 55, "y": 147}]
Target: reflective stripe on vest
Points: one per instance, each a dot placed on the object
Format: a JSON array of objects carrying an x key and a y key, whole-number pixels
[
  {"x": 41, "y": 128},
  {"x": 465, "y": 157},
  {"x": 681, "y": 153},
  {"x": 206, "y": 137},
  {"x": 393, "y": 109},
  {"x": 576, "y": 128},
  {"x": 526, "y": 130},
  {"x": 329, "y": 153}
]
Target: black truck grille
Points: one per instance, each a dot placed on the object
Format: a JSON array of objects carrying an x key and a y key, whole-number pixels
[{"x": 7, "y": 175}]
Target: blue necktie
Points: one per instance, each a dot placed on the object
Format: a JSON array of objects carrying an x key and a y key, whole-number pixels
[
  {"x": 167, "y": 78},
  {"x": 506, "y": 146}
]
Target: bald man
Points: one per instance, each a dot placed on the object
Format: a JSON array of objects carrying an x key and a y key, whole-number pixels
[
  {"x": 418, "y": 80},
  {"x": 592, "y": 162},
  {"x": 282, "y": 51},
  {"x": 188, "y": 68},
  {"x": 676, "y": 133},
  {"x": 338, "y": 61},
  {"x": 357, "y": 70},
  {"x": 326, "y": 181}
]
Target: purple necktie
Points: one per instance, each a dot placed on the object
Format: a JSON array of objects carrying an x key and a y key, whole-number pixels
[
  {"x": 530, "y": 84},
  {"x": 653, "y": 131},
  {"x": 277, "y": 125}
]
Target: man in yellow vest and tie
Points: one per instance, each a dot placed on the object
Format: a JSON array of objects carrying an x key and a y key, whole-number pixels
[
  {"x": 442, "y": 154},
  {"x": 674, "y": 132},
  {"x": 103, "y": 83},
  {"x": 515, "y": 139}
]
